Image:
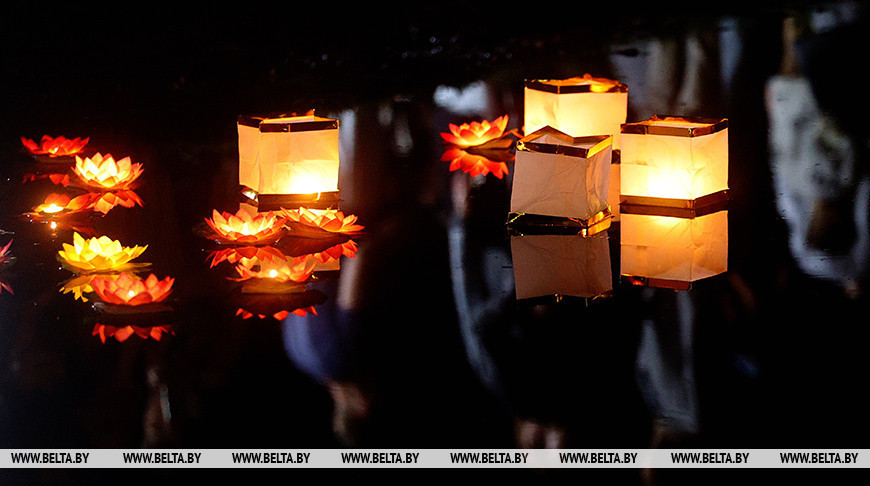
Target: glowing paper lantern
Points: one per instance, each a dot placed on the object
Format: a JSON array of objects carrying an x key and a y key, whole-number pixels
[
  {"x": 674, "y": 161},
  {"x": 289, "y": 161},
  {"x": 126, "y": 289},
  {"x": 560, "y": 176},
  {"x": 244, "y": 228},
  {"x": 548, "y": 265},
  {"x": 100, "y": 254},
  {"x": 580, "y": 106},
  {"x": 104, "y": 172},
  {"x": 665, "y": 247},
  {"x": 55, "y": 146}
]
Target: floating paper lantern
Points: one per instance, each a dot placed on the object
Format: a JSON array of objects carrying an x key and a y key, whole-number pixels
[
  {"x": 560, "y": 176},
  {"x": 556, "y": 266},
  {"x": 289, "y": 161},
  {"x": 104, "y": 172},
  {"x": 665, "y": 247},
  {"x": 580, "y": 106},
  {"x": 129, "y": 290},
  {"x": 328, "y": 221},
  {"x": 475, "y": 133},
  {"x": 55, "y": 146},
  {"x": 97, "y": 254},
  {"x": 245, "y": 228},
  {"x": 674, "y": 161}
]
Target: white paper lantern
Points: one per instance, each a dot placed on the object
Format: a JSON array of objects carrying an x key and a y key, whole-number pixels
[
  {"x": 559, "y": 176},
  {"x": 290, "y": 161}
]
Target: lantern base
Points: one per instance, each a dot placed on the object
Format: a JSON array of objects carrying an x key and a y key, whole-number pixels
[
  {"x": 526, "y": 223},
  {"x": 317, "y": 200},
  {"x": 662, "y": 283},
  {"x": 677, "y": 208}
]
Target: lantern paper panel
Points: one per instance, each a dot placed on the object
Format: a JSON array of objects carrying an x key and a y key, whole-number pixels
[
  {"x": 580, "y": 106},
  {"x": 561, "y": 176},
  {"x": 561, "y": 265},
  {"x": 292, "y": 160},
  {"x": 673, "y": 252},
  {"x": 674, "y": 158}
]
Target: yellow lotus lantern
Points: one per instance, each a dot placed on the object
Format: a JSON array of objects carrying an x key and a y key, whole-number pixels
[
  {"x": 674, "y": 161},
  {"x": 245, "y": 228},
  {"x": 289, "y": 160},
  {"x": 55, "y": 146},
  {"x": 104, "y": 172},
  {"x": 99, "y": 254},
  {"x": 581, "y": 106}
]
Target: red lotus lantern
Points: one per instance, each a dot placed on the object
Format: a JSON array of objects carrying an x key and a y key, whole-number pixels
[{"x": 55, "y": 147}]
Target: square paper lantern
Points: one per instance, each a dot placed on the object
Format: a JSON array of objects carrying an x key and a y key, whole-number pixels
[
  {"x": 674, "y": 161},
  {"x": 670, "y": 248},
  {"x": 289, "y": 161},
  {"x": 560, "y": 176},
  {"x": 580, "y": 106},
  {"x": 556, "y": 266}
]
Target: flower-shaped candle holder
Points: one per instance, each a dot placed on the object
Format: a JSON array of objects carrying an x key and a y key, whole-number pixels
[
  {"x": 243, "y": 228},
  {"x": 54, "y": 148},
  {"x": 98, "y": 254},
  {"x": 320, "y": 222},
  {"x": 129, "y": 290},
  {"x": 105, "y": 173}
]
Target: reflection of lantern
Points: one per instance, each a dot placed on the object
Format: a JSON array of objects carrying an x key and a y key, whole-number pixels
[
  {"x": 579, "y": 106},
  {"x": 672, "y": 161},
  {"x": 289, "y": 161},
  {"x": 559, "y": 176},
  {"x": 561, "y": 265},
  {"x": 668, "y": 247}
]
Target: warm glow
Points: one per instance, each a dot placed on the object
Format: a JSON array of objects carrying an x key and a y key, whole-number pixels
[
  {"x": 55, "y": 147},
  {"x": 674, "y": 249},
  {"x": 106, "y": 201},
  {"x": 673, "y": 166},
  {"x": 129, "y": 290},
  {"x": 331, "y": 220},
  {"x": 55, "y": 204},
  {"x": 580, "y": 106},
  {"x": 106, "y": 173},
  {"x": 289, "y": 270},
  {"x": 280, "y": 315},
  {"x": 97, "y": 254},
  {"x": 475, "y": 133},
  {"x": 245, "y": 228}
]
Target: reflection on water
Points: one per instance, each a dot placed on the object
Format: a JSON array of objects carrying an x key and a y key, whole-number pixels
[{"x": 413, "y": 332}]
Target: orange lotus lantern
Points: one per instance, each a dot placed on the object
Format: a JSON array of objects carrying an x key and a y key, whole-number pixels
[
  {"x": 327, "y": 220},
  {"x": 129, "y": 290},
  {"x": 55, "y": 147},
  {"x": 475, "y": 133},
  {"x": 104, "y": 172},
  {"x": 59, "y": 205},
  {"x": 473, "y": 164},
  {"x": 245, "y": 228},
  {"x": 247, "y": 256},
  {"x": 122, "y": 333},
  {"x": 581, "y": 106},
  {"x": 289, "y": 160},
  {"x": 295, "y": 269},
  {"x": 99, "y": 254}
]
